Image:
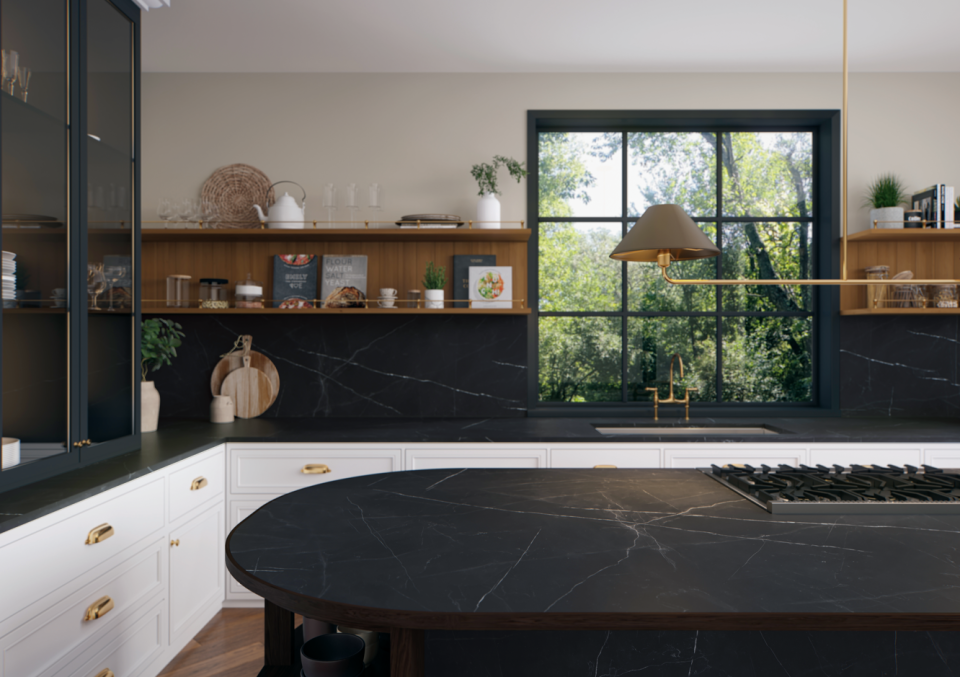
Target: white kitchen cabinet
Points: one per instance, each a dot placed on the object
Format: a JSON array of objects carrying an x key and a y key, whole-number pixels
[
  {"x": 197, "y": 571},
  {"x": 620, "y": 455},
  {"x": 237, "y": 595},
  {"x": 865, "y": 454},
  {"x": 703, "y": 455},
  {"x": 473, "y": 456},
  {"x": 282, "y": 468}
]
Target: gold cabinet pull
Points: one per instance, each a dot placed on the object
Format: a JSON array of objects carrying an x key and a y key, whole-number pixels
[
  {"x": 99, "y": 534},
  {"x": 98, "y": 609},
  {"x": 175, "y": 543},
  {"x": 199, "y": 483},
  {"x": 315, "y": 469},
  {"x": 106, "y": 672},
  {"x": 604, "y": 466}
]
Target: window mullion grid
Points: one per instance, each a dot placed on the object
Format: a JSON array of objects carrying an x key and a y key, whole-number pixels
[
  {"x": 719, "y": 269},
  {"x": 624, "y": 305}
]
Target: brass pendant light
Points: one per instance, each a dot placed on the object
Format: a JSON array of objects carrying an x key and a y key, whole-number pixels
[{"x": 665, "y": 233}]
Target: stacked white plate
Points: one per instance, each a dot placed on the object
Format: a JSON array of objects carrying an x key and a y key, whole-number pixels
[{"x": 9, "y": 285}]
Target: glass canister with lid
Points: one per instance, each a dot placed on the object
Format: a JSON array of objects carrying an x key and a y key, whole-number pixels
[
  {"x": 877, "y": 293},
  {"x": 943, "y": 295},
  {"x": 213, "y": 293},
  {"x": 249, "y": 293}
]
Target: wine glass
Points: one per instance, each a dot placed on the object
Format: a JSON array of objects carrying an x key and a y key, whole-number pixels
[
  {"x": 209, "y": 213},
  {"x": 23, "y": 79},
  {"x": 374, "y": 195},
  {"x": 330, "y": 202},
  {"x": 352, "y": 201},
  {"x": 186, "y": 211},
  {"x": 165, "y": 211},
  {"x": 114, "y": 276},
  {"x": 96, "y": 282},
  {"x": 11, "y": 60}
]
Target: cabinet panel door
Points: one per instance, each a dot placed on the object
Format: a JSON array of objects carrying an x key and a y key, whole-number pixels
[
  {"x": 239, "y": 511},
  {"x": 589, "y": 457},
  {"x": 196, "y": 567},
  {"x": 428, "y": 459},
  {"x": 847, "y": 455},
  {"x": 704, "y": 456}
]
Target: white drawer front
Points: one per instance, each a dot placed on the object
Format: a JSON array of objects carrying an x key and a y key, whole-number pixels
[
  {"x": 239, "y": 511},
  {"x": 428, "y": 459},
  {"x": 188, "y": 490},
  {"x": 131, "y": 651},
  {"x": 945, "y": 459},
  {"x": 280, "y": 471},
  {"x": 876, "y": 456},
  {"x": 589, "y": 458},
  {"x": 29, "y": 650},
  {"x": 44, "y": 561},
  {"x": 703, "y": 458}
]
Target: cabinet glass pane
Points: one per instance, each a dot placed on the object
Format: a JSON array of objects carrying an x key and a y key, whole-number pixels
[
  {"x": 110, "y": 363},
  {"x": 35, "y": 224}
]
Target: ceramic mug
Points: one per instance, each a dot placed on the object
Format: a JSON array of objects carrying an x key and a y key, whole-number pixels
[
  {"x": 385, "y": 302},
  {"x": 388, "y": 292}
]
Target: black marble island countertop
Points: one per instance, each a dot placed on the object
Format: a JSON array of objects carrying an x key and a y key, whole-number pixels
[{"x": 179, "y": 439}]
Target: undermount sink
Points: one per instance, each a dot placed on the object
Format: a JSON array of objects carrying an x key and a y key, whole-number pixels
[{"x": 696, "y": 430}]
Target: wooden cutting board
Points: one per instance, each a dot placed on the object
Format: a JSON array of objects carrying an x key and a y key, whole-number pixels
[
  {"x": 234, "y": 361},
  {"x": 250, "y": 389}
]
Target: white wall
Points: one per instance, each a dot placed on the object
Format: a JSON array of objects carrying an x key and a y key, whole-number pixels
[{"x": 418, "y": 135}]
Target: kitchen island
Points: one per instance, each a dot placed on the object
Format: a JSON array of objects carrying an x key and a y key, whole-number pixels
[{"x": 669, "y": 551}]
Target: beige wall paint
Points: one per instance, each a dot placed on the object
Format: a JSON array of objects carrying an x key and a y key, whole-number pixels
[{"x": 418, "y": 135}]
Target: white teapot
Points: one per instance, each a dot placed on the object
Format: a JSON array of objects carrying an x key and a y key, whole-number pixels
[{"x": 284, "y": 213}]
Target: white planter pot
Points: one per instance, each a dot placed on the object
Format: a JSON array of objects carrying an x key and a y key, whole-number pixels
[
  {"x": 488, "y": 212},
  {"x": 887, "y": 214},
  {"x": 149, "y": 407},
  {"x": 434, "y": 298}
]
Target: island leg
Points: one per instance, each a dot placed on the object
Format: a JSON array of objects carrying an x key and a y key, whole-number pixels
[
  {"x": 279, "y": 644},
  {"x": 406, "y": 653}
]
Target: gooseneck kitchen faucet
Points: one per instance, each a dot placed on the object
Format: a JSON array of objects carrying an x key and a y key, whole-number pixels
[{"x": 671, "y": 399}]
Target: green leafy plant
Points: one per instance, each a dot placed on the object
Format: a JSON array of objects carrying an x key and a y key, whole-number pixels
[
  {"x": 159, "y": 340},
  {"x": 887, "y": 190},
  {"x": 486, "y": 174},
  {"x": 435, "y": 277}
]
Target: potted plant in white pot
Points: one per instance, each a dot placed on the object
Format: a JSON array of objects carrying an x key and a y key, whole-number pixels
[
  {"x": 884, "y": 197},
  {"x": 159, "y": 340},
  {"x": 434, "y": 280},
  {"x": 488, "y": 208}
]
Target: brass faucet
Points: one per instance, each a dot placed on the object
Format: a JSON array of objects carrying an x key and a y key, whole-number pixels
[{"x": 672, "y": 400}]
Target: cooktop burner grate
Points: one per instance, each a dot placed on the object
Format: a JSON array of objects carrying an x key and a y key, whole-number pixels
[{"x": 860, "y": 489}]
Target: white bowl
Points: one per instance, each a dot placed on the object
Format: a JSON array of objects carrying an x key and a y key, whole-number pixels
[{"x": 11, "y": 452}]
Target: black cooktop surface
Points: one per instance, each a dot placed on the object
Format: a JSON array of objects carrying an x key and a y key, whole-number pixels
[{"x": 858, "y": 489}]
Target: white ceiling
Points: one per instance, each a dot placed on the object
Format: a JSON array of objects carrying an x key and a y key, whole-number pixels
[{"x": 544, "y": 36}]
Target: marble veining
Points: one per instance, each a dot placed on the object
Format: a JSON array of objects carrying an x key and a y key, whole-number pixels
[{"x": 590, "y": 541}]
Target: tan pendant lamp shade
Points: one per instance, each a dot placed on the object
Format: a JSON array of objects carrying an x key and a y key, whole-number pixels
[{"x": 664, "y": 228}]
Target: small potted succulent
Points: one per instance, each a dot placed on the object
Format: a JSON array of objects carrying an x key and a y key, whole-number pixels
[
  {"x": 434, "y": 280},
  {"x": 884, "y": 197},
  {"x": 159, "y": 340},
  {"x": 488, "y": 208}
]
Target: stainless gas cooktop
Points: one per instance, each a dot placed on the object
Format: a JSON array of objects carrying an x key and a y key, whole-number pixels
[{"x": 858, "y": 490}]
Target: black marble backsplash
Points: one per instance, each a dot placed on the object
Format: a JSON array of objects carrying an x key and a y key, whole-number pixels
[
  {"x": 361, "y": 366},
  {"x": 476, "y": 366}
]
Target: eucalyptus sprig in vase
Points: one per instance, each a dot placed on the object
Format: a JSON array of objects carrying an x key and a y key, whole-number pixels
[
  {"x": 488, "y": 208},
  {"x": 159, "y": 340},
  {"x": 434, "y": 280}
]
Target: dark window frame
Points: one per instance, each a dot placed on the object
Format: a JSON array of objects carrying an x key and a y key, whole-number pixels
[{"x": 825, "y": 126}]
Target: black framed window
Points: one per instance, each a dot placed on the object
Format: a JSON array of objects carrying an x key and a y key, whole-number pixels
[{"x": 758, "y": 184}]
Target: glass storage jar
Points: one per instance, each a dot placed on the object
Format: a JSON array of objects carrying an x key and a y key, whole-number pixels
[
  {"x": 178, "y": 291},
  {"x": 943, "y": 295},
  {"x": 877, "y": 293},
  {"x": 249, "y": 293},
  {"x": 213, "y": 293}
]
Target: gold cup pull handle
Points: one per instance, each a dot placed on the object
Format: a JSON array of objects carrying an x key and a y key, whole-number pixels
[
  {"x": 99, "y": 608},
  {"x": 605, "y": 466},
  {"x": 106, "y": 672},
  {"x": 99, "y": 533},
  {"x": 315, "y": 469},
  {"x": 199, "y": 483}
]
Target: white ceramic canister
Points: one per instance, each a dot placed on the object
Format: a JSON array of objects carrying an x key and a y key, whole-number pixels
[
  {"x": 11, "y": 452},
  {"x": 221, "y": 409}
]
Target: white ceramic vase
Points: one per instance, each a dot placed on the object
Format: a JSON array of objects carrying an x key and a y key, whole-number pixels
[
  {"x": 488, "y": 211},
  {"x": 887, "y": 214},
  {"x": 149, "y": 407},
  {"x": 434, "y": 299},
  {"x": 222, "y": 409}
]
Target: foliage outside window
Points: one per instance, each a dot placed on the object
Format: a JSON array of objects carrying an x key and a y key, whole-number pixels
[{"x": 607, "y": 329}]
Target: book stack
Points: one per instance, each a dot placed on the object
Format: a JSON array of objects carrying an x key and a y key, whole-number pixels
[{"x": 936, "y": 205}]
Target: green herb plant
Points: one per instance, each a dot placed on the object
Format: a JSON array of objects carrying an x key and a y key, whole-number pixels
[
  {"x": 435, "y": 277},
  {"x": 486, "y": 174},
  {"x": 159, "y": 340},
  {"x": 887, "y": 190}
]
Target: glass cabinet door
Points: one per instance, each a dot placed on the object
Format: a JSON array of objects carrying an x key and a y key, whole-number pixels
[
  {"x": 36, "y": 225},
  {"x": 112, "y": 372}
]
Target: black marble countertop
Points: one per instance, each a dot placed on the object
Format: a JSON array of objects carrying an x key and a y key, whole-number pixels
[
  {"x": 178, "y": 439},
  {"x": 480, "y": 542}
]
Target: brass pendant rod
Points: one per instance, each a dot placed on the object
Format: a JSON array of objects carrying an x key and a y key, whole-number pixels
[{"x": 846, "y": 147}]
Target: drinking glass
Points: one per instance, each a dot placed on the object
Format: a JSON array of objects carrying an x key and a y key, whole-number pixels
[
  {"x": 96, "y": 282},
  {"x": 209, "y": 213},
  {"x": 374, "y": 195},
  {"x": 165, "y": 211},
  {"x": 23, "y": 79},
  {"x": 330, "y": 202},
  {"x": 11, "y": 60},
  {"x": 114, "y": 277},
  {"x": 352, "y": 201},
  {"x": 186, "y": 212}
]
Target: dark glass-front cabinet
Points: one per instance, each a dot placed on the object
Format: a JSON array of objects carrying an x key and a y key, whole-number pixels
[{"x": 70, "y": 236}]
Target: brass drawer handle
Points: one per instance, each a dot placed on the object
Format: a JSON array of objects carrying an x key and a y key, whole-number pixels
[
  {"x": 604, "y": 466},
  {"x": 175, "y": 543},
  {"x": 198, "y": 483},
  {"x": 99, "y": 534},
  {"x": 98, "y": 609},
  {"x": 106, "y": 672},
  {"x": 315, "y": 469}
]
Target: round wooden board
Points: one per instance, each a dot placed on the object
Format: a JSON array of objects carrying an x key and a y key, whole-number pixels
[
  {"x": 251, "y": 391},
  {"x": 235, "y": 361}
]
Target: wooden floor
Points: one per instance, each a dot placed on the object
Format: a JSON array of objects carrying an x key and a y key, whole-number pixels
[{"x": 231, "y": 645}]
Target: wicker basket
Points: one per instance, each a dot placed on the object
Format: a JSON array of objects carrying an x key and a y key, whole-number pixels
[{"x": 235, "y": 189}]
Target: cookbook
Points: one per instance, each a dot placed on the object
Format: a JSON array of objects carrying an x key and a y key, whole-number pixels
[
  {"x": 294, "y": 280},
  {"x": 343, "y": 281},
  {"x": 491, "y": 286}
]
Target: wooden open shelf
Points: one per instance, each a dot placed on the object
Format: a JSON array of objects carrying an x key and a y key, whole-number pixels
[
  {"x": 906, "y": 235},
  {"x": 396, "y": 257},
  {"x": 902, "y": 311}
]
